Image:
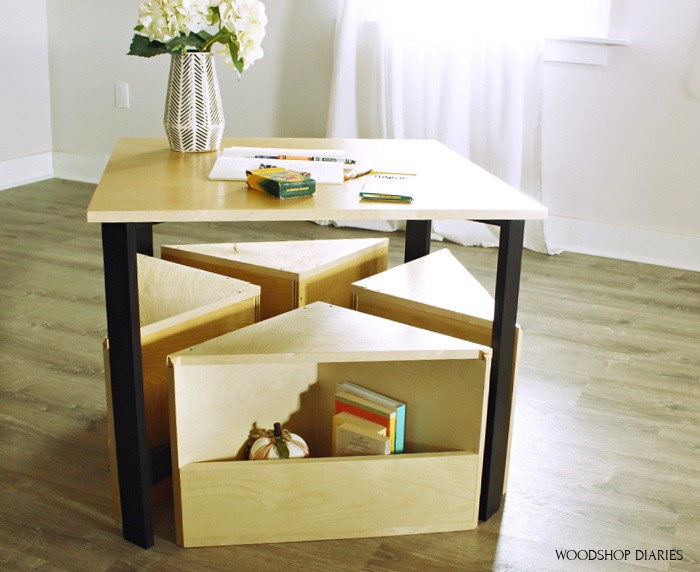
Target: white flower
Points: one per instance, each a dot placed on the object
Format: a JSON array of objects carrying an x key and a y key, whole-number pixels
[
  {"x": 241, "y": 28},
  {"x": 163, "y": 20},
  {"x": 247, "y": 20}
]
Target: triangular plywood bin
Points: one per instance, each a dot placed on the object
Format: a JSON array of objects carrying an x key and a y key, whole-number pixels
[
  {"x": 179, "y": 307},
  {"x": 291, "y": 273},
  {"x": 437, "y": 293},
  {"x": 285, "y": 370}
]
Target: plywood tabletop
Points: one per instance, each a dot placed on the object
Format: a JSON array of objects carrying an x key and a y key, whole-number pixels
[{"x": 147, "y": 182}]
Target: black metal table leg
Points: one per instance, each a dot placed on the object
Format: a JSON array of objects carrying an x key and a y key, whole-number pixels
[
  {"x": 120, "y": 243},
  {"x": 417, "y": 239},
  {"x": 144, "y": 238},
  {"x": 501, "y": 383}
]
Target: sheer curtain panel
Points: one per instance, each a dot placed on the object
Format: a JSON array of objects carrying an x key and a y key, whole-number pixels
[{"x": 467, "y": 73}]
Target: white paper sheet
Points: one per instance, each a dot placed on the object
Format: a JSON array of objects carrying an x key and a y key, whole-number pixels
[{"x": 327, "y": 166}]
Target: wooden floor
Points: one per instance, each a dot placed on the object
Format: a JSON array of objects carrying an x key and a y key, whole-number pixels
[{"x": 606, "y": 450}]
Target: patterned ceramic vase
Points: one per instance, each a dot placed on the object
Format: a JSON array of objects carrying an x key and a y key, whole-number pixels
[{"x": 194, "y": 116}]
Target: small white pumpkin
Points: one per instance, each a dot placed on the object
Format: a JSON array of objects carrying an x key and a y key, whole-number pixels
[{"x": 278, "y": 444}]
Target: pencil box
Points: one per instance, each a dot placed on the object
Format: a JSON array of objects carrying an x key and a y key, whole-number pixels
[{"x": 280, "y": 182}]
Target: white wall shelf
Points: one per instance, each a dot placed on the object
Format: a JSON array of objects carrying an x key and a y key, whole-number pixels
[{"x": 589, "y": 50}]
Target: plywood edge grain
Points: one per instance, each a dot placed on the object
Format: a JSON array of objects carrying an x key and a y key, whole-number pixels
[
  {"x": 312, "y": 212},
  {"x": 362, "y": 294},
  {"x": 174, "y": 455},
  {"x": 292, "y": 260},
  {"x": 183, "y": 254},
  {"x": 198, "y": 316},
  {"x": 183, "y": 358}
]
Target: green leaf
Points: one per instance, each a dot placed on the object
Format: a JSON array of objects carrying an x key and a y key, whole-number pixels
[
  {"x": 208, "y": 40},
  {"x": 237, "y": 62},
  {"x": 215, "y": 15},
  {"x": 181, "y": 43},
  {"x": 145, "y": 48},
  {"x": 282, "y": 448}
]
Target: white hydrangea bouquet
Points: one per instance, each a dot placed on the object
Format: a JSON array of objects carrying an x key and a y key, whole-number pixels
[{"x": 180, "y": 26}]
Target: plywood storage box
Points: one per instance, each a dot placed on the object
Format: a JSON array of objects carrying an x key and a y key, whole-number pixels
[
  {"x": 179, "y": 307},
  {"x": 435, "y": 292},
  {"x": 291, "y": 273},
  {"x": 286, "y": 369}
]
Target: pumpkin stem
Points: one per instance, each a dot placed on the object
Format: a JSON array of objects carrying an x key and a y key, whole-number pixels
[{"x": 280, "y": 445}]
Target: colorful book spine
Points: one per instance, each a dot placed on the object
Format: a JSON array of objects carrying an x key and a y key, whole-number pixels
[
  {"x": 352, "y": 440},
  {"x": 346, "y": 418},
  {"x": 349, "y": 404},
  {"x": 392, "y": 404}
]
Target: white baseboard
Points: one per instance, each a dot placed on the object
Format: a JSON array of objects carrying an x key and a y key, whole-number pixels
[
  {"x": 25, "y": 170},
  {"x": 83, "y": 168},
  {"x": 624, "y": 243}
]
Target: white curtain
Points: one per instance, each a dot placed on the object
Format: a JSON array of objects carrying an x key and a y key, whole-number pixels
[{"x": 465, "y": 72}]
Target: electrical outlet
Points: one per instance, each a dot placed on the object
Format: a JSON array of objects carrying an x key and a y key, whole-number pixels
[{"x": 121, "y": 95}]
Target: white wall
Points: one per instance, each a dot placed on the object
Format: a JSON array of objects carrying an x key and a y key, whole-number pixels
[
  {"x": 25, "y": 117},
  {"x": 621, "y": 142},
  {"x": 285, "y": 93}
]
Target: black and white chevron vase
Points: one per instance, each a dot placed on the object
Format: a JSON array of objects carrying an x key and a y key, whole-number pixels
[{"x": 194, "y": 116}]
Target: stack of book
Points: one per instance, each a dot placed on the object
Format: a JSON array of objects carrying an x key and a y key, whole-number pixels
[{"x": 367, "y": 423}]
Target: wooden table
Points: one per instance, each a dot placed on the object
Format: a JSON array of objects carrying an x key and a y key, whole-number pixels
[{"x": 146, "y": 183}]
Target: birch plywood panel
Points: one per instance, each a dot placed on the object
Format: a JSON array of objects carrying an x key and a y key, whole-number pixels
[
  {"x": 216, "y": 406},
  {"x": 261, "y": 374},
  {"x": 179, "y": 307},
  {"x": 290, "y": 273},
  {"x": 435, "y": 292},
  {"x": 445, "y": 399},
  {"x": 437, "y": 284},
  {"x": 317, "y": 499}
]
